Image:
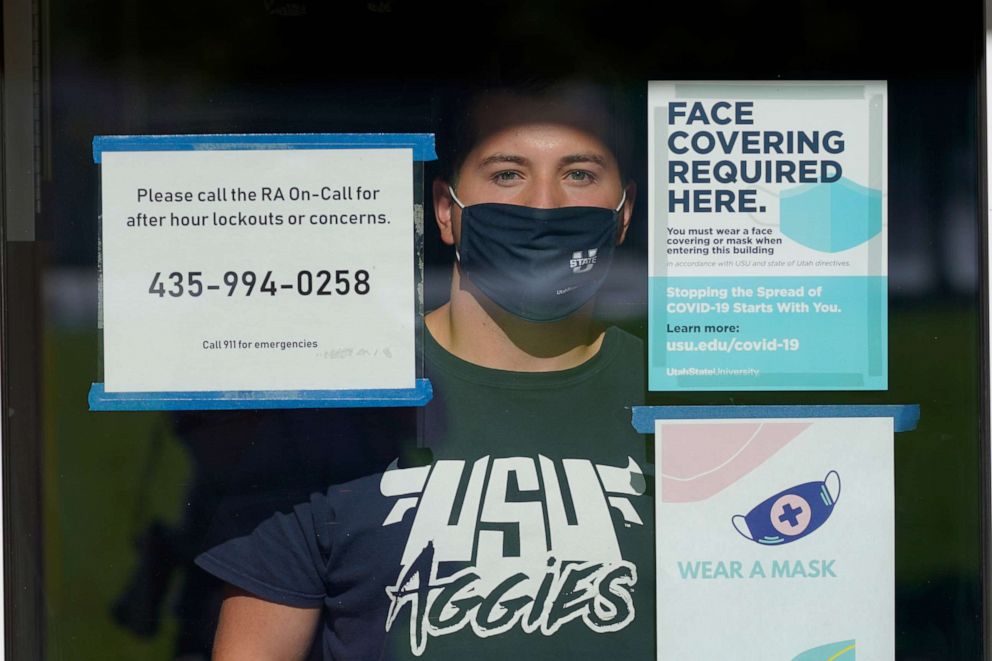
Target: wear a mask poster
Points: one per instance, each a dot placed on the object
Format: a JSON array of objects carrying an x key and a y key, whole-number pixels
[
  {"x": 775, "y": 539},
  {"x": 768, "y": 236}
]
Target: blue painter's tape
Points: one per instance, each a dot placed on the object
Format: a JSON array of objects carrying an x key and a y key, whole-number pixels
[
  {"x": 422, "y": 144},
  {"x": 101, "y": 400},
  {"x": 904, "y": 416}
]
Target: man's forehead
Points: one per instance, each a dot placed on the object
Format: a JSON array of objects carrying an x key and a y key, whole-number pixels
[
  {"x": 574, "y": 109},
  {"x": 562, "y": 143}
]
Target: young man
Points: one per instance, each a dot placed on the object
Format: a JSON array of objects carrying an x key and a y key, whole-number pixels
[{"x": 528, "y": 531}]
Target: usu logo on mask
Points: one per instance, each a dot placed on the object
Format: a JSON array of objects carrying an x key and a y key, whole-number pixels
[
  {"x": 512, "y": 542},
  {"x": 583, "y": 260}
]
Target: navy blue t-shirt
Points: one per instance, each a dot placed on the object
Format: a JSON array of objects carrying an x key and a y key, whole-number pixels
[{"x": 527, "y": 532}]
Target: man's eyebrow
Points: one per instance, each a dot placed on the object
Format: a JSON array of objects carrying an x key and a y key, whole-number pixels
[
  {"x": 495, "y": 159},
  {"x": 598, "y": 159}
]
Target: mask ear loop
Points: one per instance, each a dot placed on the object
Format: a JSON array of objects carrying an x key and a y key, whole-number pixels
[
  {"x": 451, "y": 191},
  {"x": 623, "y": 200},
  {"x": 616, "y": 214},
  {"x": 454, "y": 197}
]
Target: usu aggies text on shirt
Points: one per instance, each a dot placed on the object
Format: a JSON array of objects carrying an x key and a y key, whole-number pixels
[{"x": 529, "y": 532}]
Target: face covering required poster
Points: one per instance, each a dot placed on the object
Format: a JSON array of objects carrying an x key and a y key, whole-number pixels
[
  {"x": 775, "y": 539},
  {"x": 768, "y": 236}
]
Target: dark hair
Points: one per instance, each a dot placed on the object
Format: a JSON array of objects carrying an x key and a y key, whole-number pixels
[{"x": 594, "y": 106}]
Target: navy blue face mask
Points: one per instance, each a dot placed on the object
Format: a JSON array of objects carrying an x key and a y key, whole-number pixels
[{"x": 538, "y": 264}]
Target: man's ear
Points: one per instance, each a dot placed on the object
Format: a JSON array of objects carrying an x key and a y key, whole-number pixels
[
  {"x": 444, "y": 211},
  {"x": 626, "y": 211}
]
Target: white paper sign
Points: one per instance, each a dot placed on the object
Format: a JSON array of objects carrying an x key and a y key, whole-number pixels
[
  {"x": 258, "y": 270},
  {"x": 775, "y": 539}
]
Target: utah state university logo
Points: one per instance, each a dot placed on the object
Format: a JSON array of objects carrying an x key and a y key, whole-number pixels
[
  {"x": 583, "y": 263},
  {"x": 509, "y": 542}
]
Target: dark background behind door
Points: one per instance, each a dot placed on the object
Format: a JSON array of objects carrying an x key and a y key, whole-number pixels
[{"x": 108, "y": 508}]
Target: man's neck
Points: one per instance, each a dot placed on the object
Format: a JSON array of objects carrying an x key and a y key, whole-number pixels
[{"x": 476, "y": 330}]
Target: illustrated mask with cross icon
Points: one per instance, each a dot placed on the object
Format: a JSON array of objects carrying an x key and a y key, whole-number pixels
[{"x": 790, "y": 514}]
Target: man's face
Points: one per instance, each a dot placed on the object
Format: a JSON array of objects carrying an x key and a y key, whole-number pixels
[{"x": 542, "y": 164}]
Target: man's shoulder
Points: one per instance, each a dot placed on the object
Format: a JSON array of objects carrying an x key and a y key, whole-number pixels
[
  {"x": 626, "y": 342},
  {"x": 623, "y": 348}
]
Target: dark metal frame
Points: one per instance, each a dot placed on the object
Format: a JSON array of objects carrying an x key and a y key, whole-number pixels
[
  {"x": 984, "y": 292},
  {"x": 20, "y": 326}
]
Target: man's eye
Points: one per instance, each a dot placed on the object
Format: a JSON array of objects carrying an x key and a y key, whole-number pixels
[
  {"x": 506, "y": 176},
  {"x": 582, "y": 176}
]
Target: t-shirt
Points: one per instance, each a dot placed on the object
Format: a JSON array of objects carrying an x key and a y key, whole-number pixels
[{"x": 525, "y": 531}]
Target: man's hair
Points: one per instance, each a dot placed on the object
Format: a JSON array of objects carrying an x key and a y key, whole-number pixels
[{"x": 599, "y": 108}]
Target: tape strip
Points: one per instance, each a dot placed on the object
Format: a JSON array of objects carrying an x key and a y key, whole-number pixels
[
  {"x": 422, "y": 144},
  {"x": 904, "y": 416},
  {"x": 101, "y": 400}
]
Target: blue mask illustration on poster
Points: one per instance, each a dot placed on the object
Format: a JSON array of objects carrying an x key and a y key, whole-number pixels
[
  {"x": 831, "y": 217},
  {"x": 790, "y": 514}
]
